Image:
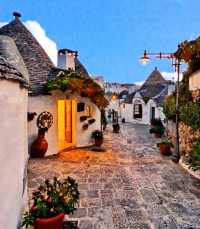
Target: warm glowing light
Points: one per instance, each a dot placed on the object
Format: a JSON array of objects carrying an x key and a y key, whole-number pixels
[
  {"x": 145, "y": 59},
  {"x": 114, "y": 97}
]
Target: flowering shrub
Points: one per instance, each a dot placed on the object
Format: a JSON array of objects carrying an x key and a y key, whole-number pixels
[
  {"x": 75, "y": 82},
  {"x": 51, "y": 199}
]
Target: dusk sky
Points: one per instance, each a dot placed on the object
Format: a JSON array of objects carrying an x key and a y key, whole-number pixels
[{"x": 110, "y": 35}]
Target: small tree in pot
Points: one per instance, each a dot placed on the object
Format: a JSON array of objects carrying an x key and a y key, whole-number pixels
[
  {"x": 158, "y": 131},
  {"x": 51, "y": 202},
  {"x": 97, "y": 135}
]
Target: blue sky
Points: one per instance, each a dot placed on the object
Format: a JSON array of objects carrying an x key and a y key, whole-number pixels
[{"x": 111, "y": 35}]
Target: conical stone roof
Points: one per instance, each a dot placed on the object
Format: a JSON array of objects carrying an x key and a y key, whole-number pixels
[
  {"x": 154, "y": 78},
  {"x": 35, "y": 58},
  {"x": 12, "y": 66},
  {"x": 154, "y": 84},
  {"x": 40, "y": 67}
]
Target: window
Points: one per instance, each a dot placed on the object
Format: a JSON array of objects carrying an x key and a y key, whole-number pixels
[{"x": 137, "y": 111}]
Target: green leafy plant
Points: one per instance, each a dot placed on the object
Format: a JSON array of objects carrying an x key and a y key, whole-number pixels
[
  {"x": 52, "y": 198},
  {"x": 157, "y": 130},
  {"x": 165, "y": 142},
  {"x": 189, "y": 51},
  {"x": 190, "y": 115},
  {"x": 75, "y": 82},
  {"x": 169, "y": 108},
  {"x": 156, "y": 122},
  {"x": 97, "y": 134},
  {"x": 195, "y": 155}
]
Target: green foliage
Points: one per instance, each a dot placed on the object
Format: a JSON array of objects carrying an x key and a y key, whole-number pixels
[
  {"x": 52, "y": 198},
  {"x": 185, "y": 97},
  {"x": 195, "y": 156},
  {"x": 75, "y": 82},
  {"x": 189, "y": 51},
  {"x": 165, "y": 142},
  {"x": 28, "y": 220},
  {"x": 190, "y": 115},
  {"x": 157, "y": 130},
  {"x": 156, "y": 122},
  {"x": 169, "y": 107}
]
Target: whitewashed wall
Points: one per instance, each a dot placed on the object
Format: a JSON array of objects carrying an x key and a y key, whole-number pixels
[
  {"x": 13, "y": 151},
  {"x": 194, "y": 81},
  {"x": 48, "y": 103},
  {"x": 127, "y": 111},
  {"x": 83, "y": 137}
]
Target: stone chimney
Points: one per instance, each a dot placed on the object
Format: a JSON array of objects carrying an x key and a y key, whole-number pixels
[{"x": 66, "y": 59}]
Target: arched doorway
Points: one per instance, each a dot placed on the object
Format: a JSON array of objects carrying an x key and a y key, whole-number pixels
[
  {"x": 66, "y": 123},
  {"x": 137, "y": 110}
]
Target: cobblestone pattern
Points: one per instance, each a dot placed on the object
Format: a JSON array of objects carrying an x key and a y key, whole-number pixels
[{"x": 130, "y": 186}]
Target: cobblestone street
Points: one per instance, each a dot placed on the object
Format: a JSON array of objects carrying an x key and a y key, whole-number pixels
[{"x": 129, "y": 186}]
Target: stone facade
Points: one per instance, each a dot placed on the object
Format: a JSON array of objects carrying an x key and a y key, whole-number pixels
[{"x": 187, "y": 135}]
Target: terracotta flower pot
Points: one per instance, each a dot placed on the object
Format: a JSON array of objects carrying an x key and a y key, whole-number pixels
[
  {"x": 39, "y": 146},
  {"x": 98, "y": 142},
  {"x": 164, "y": 149},
  {"x": 50, "y": 223}
]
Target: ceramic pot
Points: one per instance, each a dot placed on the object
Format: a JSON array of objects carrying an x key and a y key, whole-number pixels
[
  {"x": 39, "y": 146},
  {"x": 50, "y": 223},
  {"x": 98, "y": 142},
  {"x": 164, "y": 149}
]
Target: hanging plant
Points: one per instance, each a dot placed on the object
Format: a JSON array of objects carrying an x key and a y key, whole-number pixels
[
  {"x": 75, "y": 82},
  {"x": 189, "y": 51}
]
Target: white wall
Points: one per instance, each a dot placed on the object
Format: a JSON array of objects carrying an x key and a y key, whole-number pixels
[
  {"x": 13, "y": 151},
  {"x": 194, "y": 81},
  {"x": 83, "y": 137},
  {"x": 42, "y": 103}
]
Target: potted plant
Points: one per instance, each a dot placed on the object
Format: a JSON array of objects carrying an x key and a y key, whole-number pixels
[
  {"x": 97, "y": 135},
  {"x": 116, "y": 127},
  {"x": 165, "y": 147},
  {"x": 156, "y": 122},
  {"x": 51, "y": 202},
  {"x": 158, "y": 131}
]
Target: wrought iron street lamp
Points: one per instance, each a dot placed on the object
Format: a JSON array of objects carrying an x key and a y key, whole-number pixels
[{"x": 176, "y": 62}]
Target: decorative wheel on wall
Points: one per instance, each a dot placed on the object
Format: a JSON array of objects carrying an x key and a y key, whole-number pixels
[
  {"x": 45, "y": 120},
  {"x": 40, "y": 145}
]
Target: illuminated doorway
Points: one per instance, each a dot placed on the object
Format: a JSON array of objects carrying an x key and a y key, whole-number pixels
[{"x": 66, "y": 123}]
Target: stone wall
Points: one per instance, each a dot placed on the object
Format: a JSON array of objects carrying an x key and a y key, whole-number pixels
[{"x": 187, "y": 135}]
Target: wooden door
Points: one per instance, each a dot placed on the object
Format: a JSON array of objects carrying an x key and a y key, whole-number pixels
[{"x": 66, "y": 123}]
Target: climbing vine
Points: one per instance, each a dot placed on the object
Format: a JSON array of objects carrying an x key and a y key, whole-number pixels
[{"x": 75, "y": 82}]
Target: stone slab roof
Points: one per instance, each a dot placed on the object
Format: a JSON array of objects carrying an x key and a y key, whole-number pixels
[
  {"x": 40, "y": 67},
  {"x": 9, "y": 72},
  {"x": 35, "y": 58}
]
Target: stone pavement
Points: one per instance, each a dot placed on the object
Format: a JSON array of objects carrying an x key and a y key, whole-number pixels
[{"x": 130, "y": 186}]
